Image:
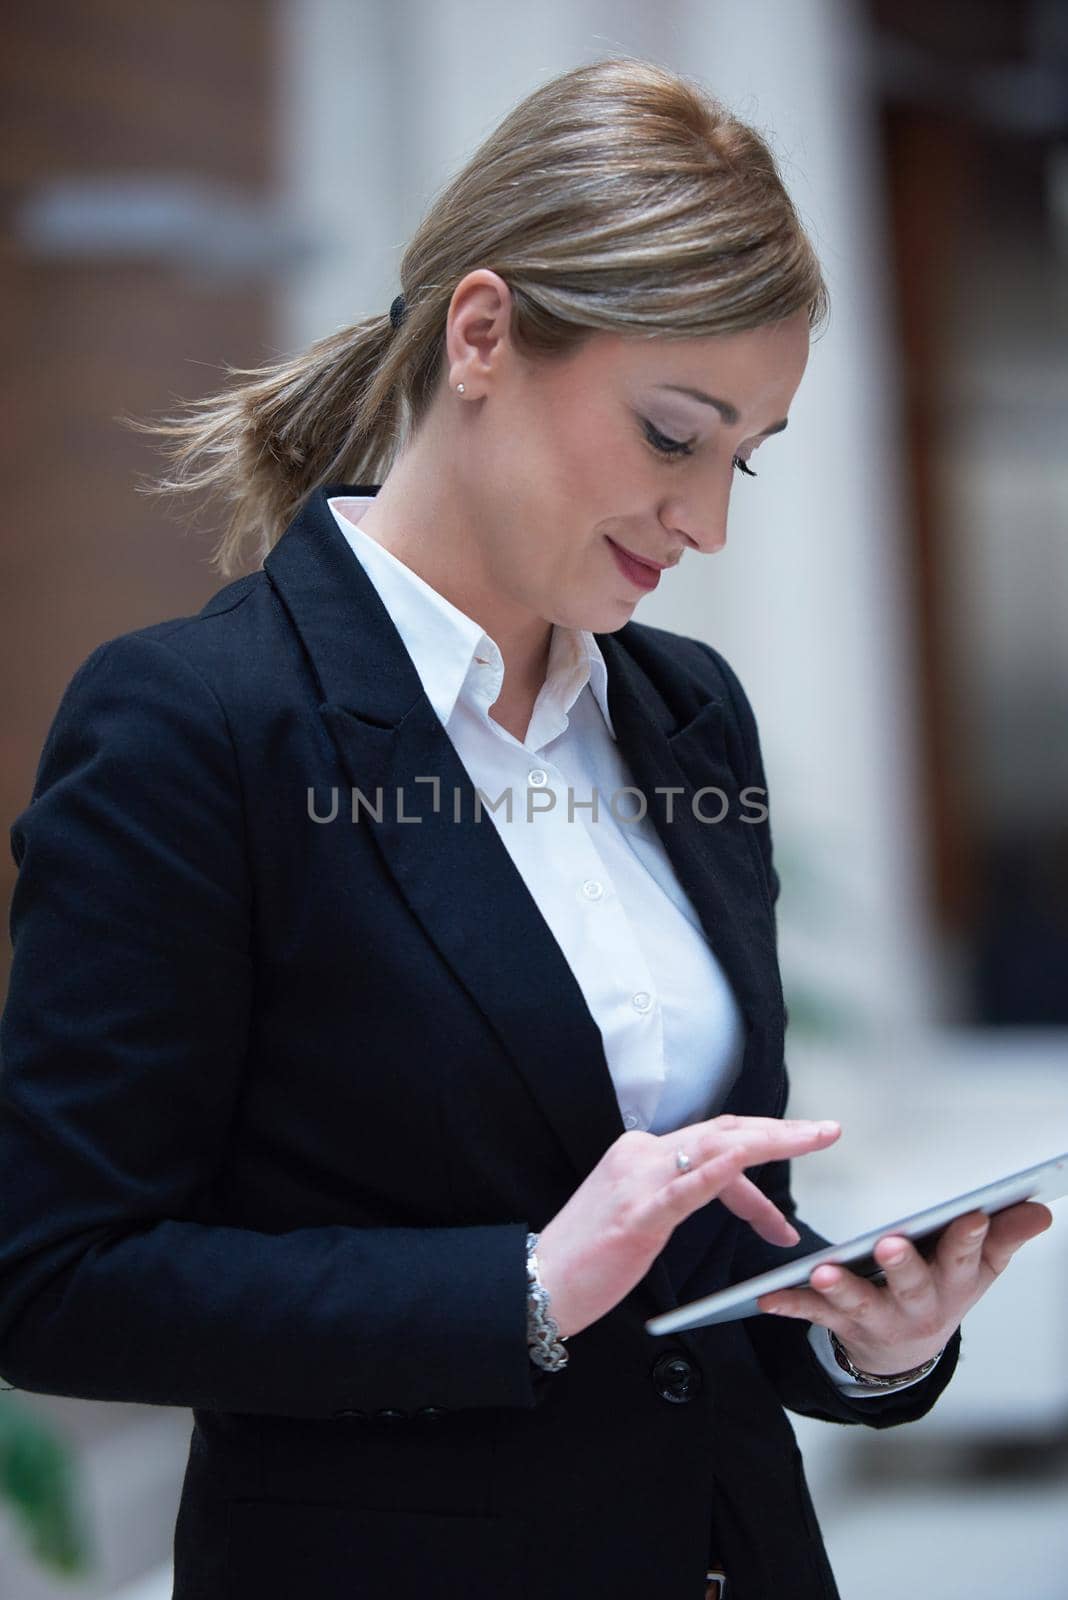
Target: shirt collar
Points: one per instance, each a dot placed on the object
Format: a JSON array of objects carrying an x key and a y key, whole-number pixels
[{"x": 445, "y": 644}]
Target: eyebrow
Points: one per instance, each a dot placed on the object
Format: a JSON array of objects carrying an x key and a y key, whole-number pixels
[{"x": 729, "y": 413}]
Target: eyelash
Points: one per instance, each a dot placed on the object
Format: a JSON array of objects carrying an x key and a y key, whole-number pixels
[{"x": 675, "y": 448}]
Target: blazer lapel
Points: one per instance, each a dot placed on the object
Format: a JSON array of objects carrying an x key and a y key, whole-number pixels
[
  {"x": 718, "y": 865},
  {"x": 716, "y": 862},
  {"x": 392, "y": 744},
  {"x": 389, "y": 739}
]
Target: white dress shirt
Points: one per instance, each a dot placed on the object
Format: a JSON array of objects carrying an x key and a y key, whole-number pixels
[{"x": 672, "y": 1031}]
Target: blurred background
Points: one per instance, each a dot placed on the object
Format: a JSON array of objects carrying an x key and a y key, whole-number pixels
[{"x": 225, "y": 181}]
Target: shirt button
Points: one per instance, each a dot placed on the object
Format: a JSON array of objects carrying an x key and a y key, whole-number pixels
[
  {"x": 538, "y": 777},
  {"x": 631, "y": 1119},
  {"x": 592, "y": 889},
  {"x": 641, "y": 1001}
]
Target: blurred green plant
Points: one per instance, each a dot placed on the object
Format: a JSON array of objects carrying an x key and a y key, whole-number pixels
[{"x": 38, "y": 1483}]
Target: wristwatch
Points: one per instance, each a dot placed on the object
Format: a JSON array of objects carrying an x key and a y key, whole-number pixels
[{"x": 878, "y": 1380}]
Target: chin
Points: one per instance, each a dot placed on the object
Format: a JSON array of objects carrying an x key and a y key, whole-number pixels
[{"x": 607, "y": 618}]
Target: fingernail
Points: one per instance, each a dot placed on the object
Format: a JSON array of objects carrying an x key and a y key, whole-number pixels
[
  {"x": 896, "y": 1259},
  {"x": 829, "y": 1127},
  {"x": 977, "y": 1233}
]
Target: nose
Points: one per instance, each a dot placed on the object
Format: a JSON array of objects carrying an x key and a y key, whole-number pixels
[{"x": 700, "y": 518}]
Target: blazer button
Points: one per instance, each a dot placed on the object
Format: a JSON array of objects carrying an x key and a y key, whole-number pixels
[
  {"x": 676, "y": 1378},
  {"x": 359, "y": 1416},
  {"x": 392, "y": 1414},
  {"x": 432, "y": 1412}
]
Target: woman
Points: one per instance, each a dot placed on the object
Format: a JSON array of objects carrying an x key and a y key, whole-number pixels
[{"x": 372, "y": 1127}]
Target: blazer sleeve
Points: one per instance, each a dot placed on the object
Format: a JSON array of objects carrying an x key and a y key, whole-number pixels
[
  {"x": 122, "y": 1048},
  {"x": 781, "y": 1344}
]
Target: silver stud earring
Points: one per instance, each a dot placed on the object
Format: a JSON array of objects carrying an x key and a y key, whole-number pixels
[{"x": 459, "y": 388}]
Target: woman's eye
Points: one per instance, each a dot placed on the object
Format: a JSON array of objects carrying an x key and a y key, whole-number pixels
[
  {"x": 666, "y": 446},
  {"x": 676, "y": 447}
]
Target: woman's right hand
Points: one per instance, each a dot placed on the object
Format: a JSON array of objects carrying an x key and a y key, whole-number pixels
[{"x": 605, "y": 1239}]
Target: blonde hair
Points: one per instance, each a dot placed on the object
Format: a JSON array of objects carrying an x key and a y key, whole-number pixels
[{"x": 618, "y": 196}]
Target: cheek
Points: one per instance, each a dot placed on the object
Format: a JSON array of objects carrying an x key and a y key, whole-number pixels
[
  {"x": 570, "y": 478},
  {"x": 585, "y": 452},
  {"x": 569, "y": 468}
]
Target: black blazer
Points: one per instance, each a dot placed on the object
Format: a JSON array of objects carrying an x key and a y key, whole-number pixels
[{"x": 281, "y": 1098}]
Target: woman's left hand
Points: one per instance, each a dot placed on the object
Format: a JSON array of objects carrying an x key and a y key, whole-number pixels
[{"x": 898, "y": 1325}]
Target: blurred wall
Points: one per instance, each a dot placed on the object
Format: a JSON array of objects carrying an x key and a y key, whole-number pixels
[
  {"x": 139, "y": 158},
  {"x": 132, "y": 156}
]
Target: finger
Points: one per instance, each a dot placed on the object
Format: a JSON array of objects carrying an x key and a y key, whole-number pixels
[
  {"x": 729, "y": 1122},
  {"x": 1012, "y": 1228},
  {"x": 764, "y": 1139},
  {"x": 721, "y": 1177},
  {"x": 835, "y": 1299},
  {"x": 717, "y": 1171},
  {"x": 804, "y": 1304},
  {"x": 745, "y": 1200},
  {"x": 685, "y": 1191},
  {"x": 766, "y": 1131},
  {"x": 910, "y": 1282},
  {"x": 958, "y": 1260}
]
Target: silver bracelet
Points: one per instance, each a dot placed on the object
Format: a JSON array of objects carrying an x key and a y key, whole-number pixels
[
  {"x": 544, "y": 1339},
  {"x": 879, "y": 1380}
]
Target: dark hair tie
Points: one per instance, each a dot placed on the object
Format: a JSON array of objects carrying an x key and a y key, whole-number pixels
[{"x": 397, "y": 311}]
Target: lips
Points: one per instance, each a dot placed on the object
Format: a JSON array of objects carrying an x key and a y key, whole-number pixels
[
  {"x": 643, "y": 574},
  {"x": 645, "y": 561}
]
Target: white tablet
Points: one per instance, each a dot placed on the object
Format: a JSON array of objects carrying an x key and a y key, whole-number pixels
[{"x": 1047, "y": 1181}]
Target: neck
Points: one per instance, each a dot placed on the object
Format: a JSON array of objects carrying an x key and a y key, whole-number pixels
[{"x": 429, "y": 529}]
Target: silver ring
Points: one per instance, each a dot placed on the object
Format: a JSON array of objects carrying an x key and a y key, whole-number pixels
[{"x": 682, "y": 1161}]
